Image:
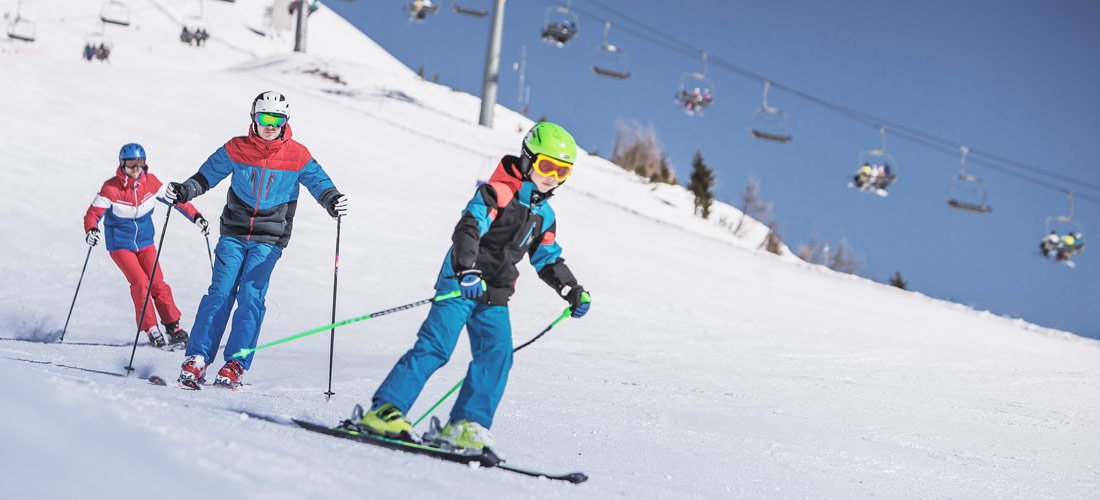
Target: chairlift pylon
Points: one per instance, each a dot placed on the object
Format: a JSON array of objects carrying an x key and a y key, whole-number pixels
[
  {"x": 115, "y": 12},
  {"x": 419, "y": 10},
  {"x": 560, "y": 25},
  {"x": 702, "y": 95},
  {"x": 877, "y": 169},
  {"x": 769, "y": 123},
  {"x": 610, "y": 60},
  {"x": 967, "y": 193},
  {"x": 474, "y": 8}
]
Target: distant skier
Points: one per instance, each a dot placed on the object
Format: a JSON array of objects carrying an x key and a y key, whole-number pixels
[
  {"x": 508, "y": 217},
  {"x": 126, "y": 200},
  {"x": 266, "y": 167}
]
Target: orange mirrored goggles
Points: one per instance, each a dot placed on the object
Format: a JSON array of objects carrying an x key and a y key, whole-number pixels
[{"x": 552, "y": 167}]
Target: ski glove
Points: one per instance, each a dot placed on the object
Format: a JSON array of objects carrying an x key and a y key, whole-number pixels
[
  {"x": 204, "y": 227},
  {"x": 338, "y": 206},
  {"x": 469, "y": 282},
  {"x": 178, "y": 193},
  {"x": 579, "y": 301},
  {"x": 92, "y": 238}
]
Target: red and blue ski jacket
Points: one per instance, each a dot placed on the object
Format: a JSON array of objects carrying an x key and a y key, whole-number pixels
[
  {"x": 263, "y": 194},
  {"x": 126, "y": 205}
]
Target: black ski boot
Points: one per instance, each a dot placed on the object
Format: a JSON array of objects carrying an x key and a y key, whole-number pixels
[{"x": 177, "y": 337}]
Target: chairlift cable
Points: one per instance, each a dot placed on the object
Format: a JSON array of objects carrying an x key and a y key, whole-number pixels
[{"x": 932, "y": 141}]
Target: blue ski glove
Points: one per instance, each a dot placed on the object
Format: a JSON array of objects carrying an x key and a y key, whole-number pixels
[
  {"x": 469, "y": 282},
  {"x": 579, "y": 301}
]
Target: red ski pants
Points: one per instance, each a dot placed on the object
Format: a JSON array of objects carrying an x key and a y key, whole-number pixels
[{"x": 137, "y": 266}]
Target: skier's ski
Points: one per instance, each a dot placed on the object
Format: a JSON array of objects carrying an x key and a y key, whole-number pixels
[{"x": 484, "y": 460}]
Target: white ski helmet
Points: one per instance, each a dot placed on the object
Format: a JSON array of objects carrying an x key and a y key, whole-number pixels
[{"x": 270, "y": 102}]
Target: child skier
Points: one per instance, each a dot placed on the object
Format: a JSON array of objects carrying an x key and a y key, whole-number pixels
[
  {"x": 266, "y": 168},
  {"x": 126, "y": 200},
  {"x": 507, "y": 217}
]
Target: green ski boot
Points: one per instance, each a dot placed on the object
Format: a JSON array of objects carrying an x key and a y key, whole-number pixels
[
  {"x": 388, "y": 421},
  {"x": 469, "y": 437}
]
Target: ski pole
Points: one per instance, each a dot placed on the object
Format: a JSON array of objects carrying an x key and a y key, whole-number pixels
[
  {"x": 332, "y": 332},
  {"x": 209, "y": 253},
  {"x": 81, "y": 280},
  {"x": 149, "y": 290},
  {"x": 564, "y": 314},
  {"x": 245, "y": 351}
]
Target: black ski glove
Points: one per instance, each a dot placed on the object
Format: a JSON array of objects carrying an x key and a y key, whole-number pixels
[
  {"x": 579, "y": 301},
  {"x": 178, "y": 193}
]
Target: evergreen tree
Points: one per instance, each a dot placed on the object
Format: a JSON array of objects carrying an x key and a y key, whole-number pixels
[
  {"x": 701, "y": 185},
  {"x": 897, "y": 281}
]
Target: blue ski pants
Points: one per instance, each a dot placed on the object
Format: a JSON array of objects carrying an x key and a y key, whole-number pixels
[
  {"x": 242, "y": 270},
  {"x": 490, "y": 332}
]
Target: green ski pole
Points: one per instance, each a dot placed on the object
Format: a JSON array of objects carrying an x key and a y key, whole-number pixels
[
  {"x": 245, "y": 352},
  {"x": 565, "y": 314}
]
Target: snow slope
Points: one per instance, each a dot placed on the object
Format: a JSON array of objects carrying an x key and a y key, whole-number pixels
[{"x": 707, "y": 368}]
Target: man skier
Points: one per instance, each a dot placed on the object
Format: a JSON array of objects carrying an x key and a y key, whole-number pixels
[
  {"x": 126, "y": 200},
  {"x": 507, "y": 217},
  {"x": 266, "y": 168}
]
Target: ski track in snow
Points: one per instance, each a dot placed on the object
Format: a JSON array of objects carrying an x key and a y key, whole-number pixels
[{"x": 706, "y": 368}]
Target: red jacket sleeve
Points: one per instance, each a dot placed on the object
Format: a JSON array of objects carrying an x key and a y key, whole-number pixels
[{"x": 99, "y": 206}]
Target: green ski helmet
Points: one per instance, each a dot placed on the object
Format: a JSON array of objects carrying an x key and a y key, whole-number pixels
[{"x": 548, "y": 139}]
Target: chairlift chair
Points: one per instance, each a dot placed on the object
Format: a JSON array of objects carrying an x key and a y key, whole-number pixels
[
  {"x": 560, "y": 25},
  {"x": 877, "y": 158},
  {"x": 967, "y": 193},
  {"x": 1066, "y": 221},
  {"x": 768, "y": 123},
  {"x": 115, "y": 12},
  {"x": 610, "y": 60},
  {"x": 194, "y": 23},
  {"x": 22, "y": 29},
  {"x": 475, "y": 8},
  {"x": 1057, "y": 227},
  {"x": 419, "y": 10},
  {"x": 702, "y": 95}
]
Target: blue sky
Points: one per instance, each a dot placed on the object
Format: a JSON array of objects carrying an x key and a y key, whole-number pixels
[{"x": 1015, "y": 78}]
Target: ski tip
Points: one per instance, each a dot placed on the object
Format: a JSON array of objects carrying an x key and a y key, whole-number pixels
[
  {"x": 576, "y": 477},
  {"x": 155, "y": 380}
]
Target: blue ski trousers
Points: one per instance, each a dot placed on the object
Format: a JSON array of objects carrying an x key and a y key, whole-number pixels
[
  {"x": 490, "y": 333},
  {"x": 242, "y": 270}
]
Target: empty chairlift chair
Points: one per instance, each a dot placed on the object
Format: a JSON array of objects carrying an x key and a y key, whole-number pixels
[
  {"x": 768, "y": 123},
  {"x": 21, "y": 28},
  {"x": 560, "y": 25},
  {"x": 115, "y": 12},
  {"x": 967, "y": 193},
  {"x": 696, "y": 92},
  {"x": 475, "y": 8},
  {"x": 610, "y": 60}
]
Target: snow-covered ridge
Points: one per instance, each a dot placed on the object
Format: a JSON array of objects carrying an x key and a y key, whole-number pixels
[{"x": 707, "y": 368}]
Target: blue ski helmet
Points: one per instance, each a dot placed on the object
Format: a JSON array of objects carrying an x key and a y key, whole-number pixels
[{"x": 131, "y": 151}]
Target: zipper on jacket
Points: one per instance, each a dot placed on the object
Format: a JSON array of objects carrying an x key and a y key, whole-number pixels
[
  {"x": 256, "y": 209},
  {"x": 134, "y": 218}
]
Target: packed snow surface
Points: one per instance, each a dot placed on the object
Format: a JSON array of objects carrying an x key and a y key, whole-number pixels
[{"x": 707, "y": 367}]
